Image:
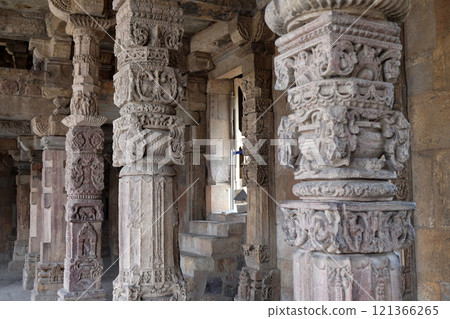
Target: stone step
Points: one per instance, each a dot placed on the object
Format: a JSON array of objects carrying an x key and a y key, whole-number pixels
[
  {"x": 233, "y": 217},
  {"x": 191, "y": 263},
  {"x": 216, "y": 228},
  {"x": 205, "y": 245}
]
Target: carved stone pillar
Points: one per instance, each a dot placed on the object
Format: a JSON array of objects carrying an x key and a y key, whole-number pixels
[
  {"x": 34, "y": 243},
  {"x": 148, "y": 141},
  {"x": 260, "y": 278},
  {"x": 83, "y": 264},
  {"x": 49, "y": 270},
  {"x": 23, "y": 213},
  {"x": 345, "y": 144}
]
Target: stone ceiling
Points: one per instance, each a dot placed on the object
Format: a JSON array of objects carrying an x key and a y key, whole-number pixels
[{"x": 199, "y": 14}]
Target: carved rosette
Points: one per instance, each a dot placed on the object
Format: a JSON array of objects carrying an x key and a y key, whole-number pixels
[
  {"x": 148, "y": 141},
  {"x": 343, "y": 140}
]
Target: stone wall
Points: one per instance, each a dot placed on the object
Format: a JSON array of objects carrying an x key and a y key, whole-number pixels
[{"x": 427, "y": 41}]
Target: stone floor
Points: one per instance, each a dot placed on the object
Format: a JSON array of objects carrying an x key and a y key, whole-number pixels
[{"x": 11, "y": 283}]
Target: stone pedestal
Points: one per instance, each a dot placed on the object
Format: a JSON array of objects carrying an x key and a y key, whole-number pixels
[
  {"x": 49, "y": 270},
  {"x": 345, "y": 144},
  {"x": 23, "y": 218},
  {"x": 32, "y": 258},
  {"x": 148, "y": 242},
  {"x": 148, "y": 141}
]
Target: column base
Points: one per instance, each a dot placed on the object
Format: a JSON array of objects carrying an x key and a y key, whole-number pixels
[
  {"x": 90, "y": 295},
  {"x": 352, "y": 277},
  {"x": 29, "y": 271},
  {"x": 20, "y": 251},
  {"x": 258, "y": 285},
  {"x": 49, "y": 279},
  {"x": 44, "y": 295},
  {"x": 144, "y": 288}
]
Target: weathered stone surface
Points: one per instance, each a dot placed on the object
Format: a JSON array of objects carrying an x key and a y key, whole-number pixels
[
  {"x": 23, "y": 218},
  {"x": 341, "y": 137},
  {"x": 36, "y": 214},
  {"x": 50, "y": 268},
  {"x": 319, "y": 276},
  {"x": 148, "y": 141},
  {"x": 83, "y": 265}
]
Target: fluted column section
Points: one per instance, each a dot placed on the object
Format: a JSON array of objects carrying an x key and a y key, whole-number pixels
[
  {"x": 83, "y": 264},
  {"x": 148, "y": 141},
  {"x": 344, "y": 143}
]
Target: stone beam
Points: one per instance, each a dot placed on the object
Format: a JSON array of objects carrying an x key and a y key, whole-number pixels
[
  {"x": 14, "y": 128},
  {"x": 16, "y": 26},
  {"x": 210, "y": 39},
  {"x": 216, "y": 10}
]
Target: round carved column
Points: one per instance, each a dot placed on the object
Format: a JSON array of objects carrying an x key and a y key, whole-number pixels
[{"x": 338, "y": 63}]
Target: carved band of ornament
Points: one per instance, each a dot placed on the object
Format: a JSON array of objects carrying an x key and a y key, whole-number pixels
[
  {"x": 260, "y": 253},
  {"x": 254, "y": 174},
  {"x": 257, "y": 84},
  {"x": 340, "y": 230},
  {"x": 84, "y": 103},
  {"x": 344, "y": 59},
  {"x": 89, "y": 22},
  {"x": 14, "y": 128},
  {"x": 50, "y": 273},
  {"x": 332, "y": 25},
  {"x": 338, "y": 136},
  {"x": 84, "y": 212},
  {"x": 257, "y": 105},
  {"x": 150, "y": 276},
  {"x": 156, "y": 283},
  {"x": 85, "y": 139},
  {"x": 167, "y": 10},
  {"x": 256, "y": 282},
  {"x": 83, "y": 58},
  {"x": 84, "y": 174},
  {"x": 346, "y": 190},
  {"x": 346, "y": 92},
  {"x": 83, "y": 272},
  {"x": 147, "y": 108},
  {"x": 152, "y": 56},
  {"x": 149, "y": 138},
  {"x": 282, "y": 18},
  {"x": 143, "y": 83}
]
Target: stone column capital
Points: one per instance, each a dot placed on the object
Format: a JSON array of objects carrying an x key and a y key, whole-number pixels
[{"x": 283, "y": 16}]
